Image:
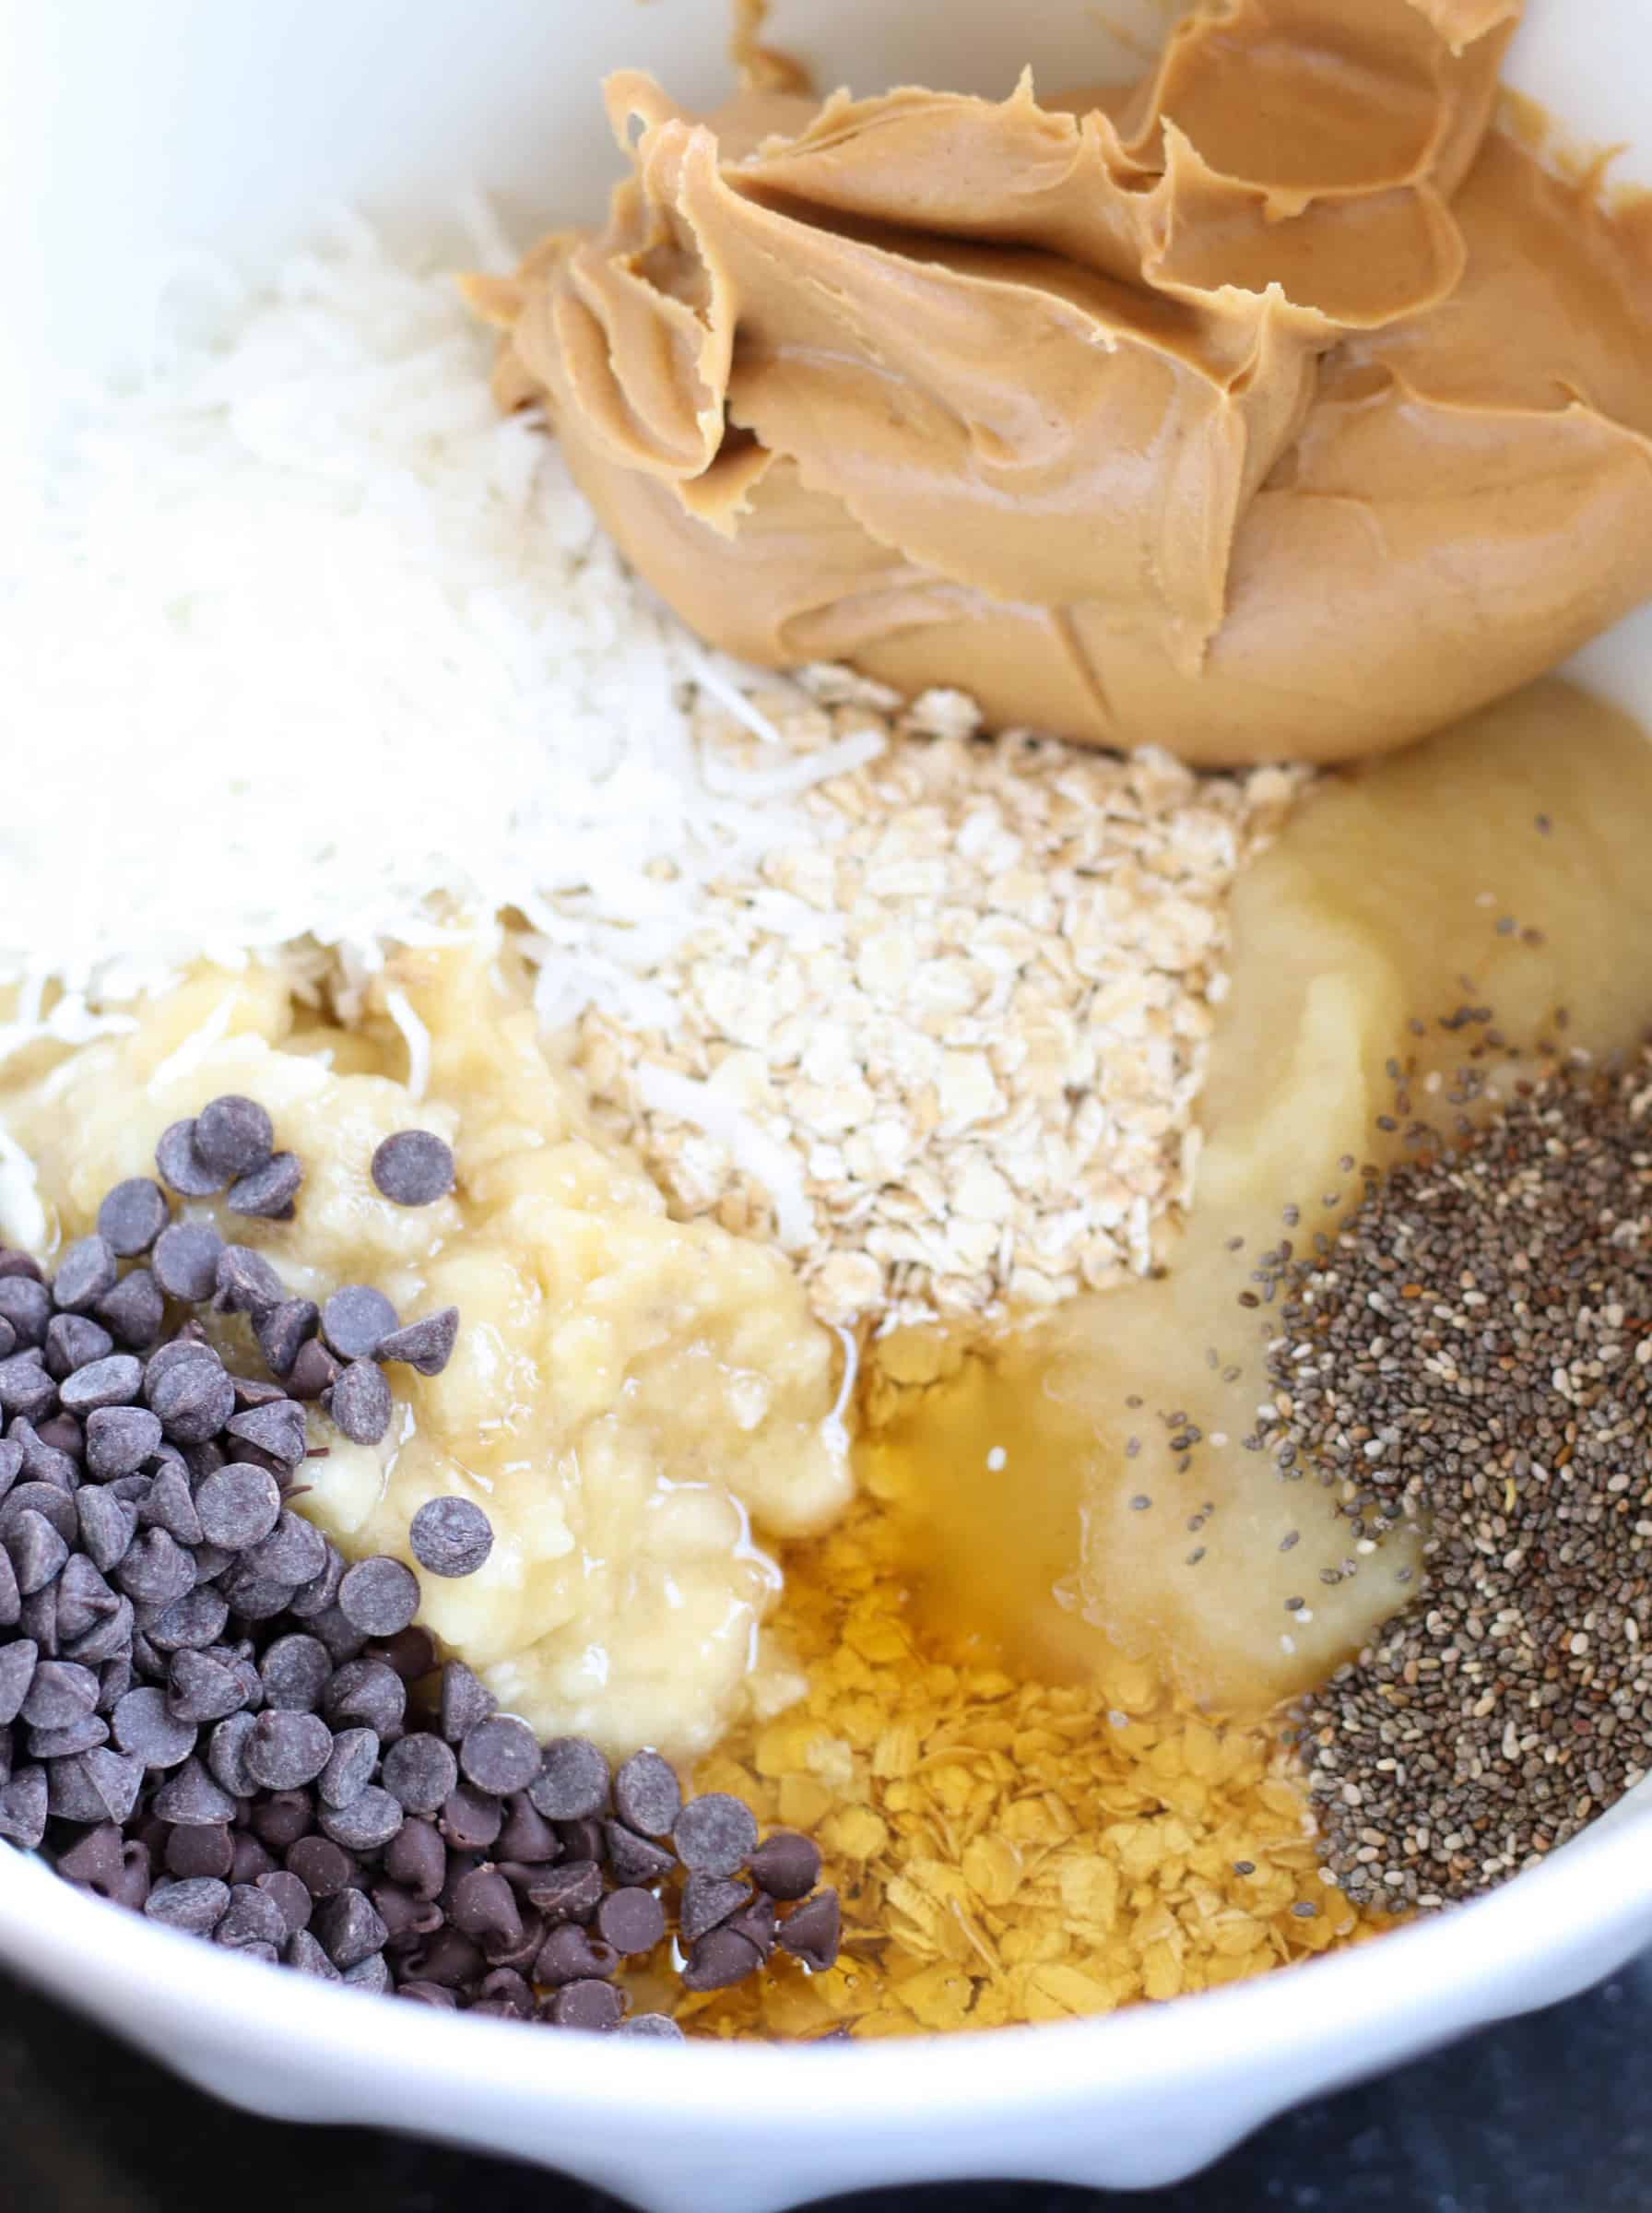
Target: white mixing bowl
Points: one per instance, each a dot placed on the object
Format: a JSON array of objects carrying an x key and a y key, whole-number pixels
[{"x": 127, "y": 128}]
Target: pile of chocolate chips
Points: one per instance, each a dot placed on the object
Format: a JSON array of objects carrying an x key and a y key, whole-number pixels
[{"x": 208, "y": 1716}]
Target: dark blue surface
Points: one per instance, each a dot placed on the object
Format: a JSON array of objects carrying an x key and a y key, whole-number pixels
[{"x": 1552, "y": 2115}]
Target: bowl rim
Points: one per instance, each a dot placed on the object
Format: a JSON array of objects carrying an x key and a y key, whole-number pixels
[{"x": 121, "y": 1966}]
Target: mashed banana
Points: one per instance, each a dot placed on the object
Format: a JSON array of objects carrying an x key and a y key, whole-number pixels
[{"x": 629, "y": 1396}]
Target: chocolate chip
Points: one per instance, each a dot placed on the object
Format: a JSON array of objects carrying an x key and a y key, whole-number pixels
[
  {"x": 131, "y": 1216},
  {"x": 251, "y": 1859},
  {"x": 714, "y": 1834},
  {"x": 295, "y": 1671},
  {"x": 572, "y": 1780},
  {"x": 108, "y": 1639},
  {"x": 379, "y": 1595},
  {"x": 286, "y": 1749},
  {"x": 325, "y": 1868},
  {"x": 170, "y": 1505},
  {"x": 24, "y": 1805},
  {"x": 420, "y": 1773},
  {"x": 570, "y": 1893},
  {"x": 224, "y": 1750},
  {"x": 11, "y": 1602},
  {"x": 656, "y": 2025},
  {"x": 239, "y": 1506},
  {"x": 413, "y": 1169},
  {"x": 647, "y": 1796},
  {"x": 348, "y": 1928},
  {"x": 506, "y": 1993},
  {"x": 82, "y": 1736},
  {"x": 527, "y": 1837},
  {"x": 484, "y": 1904},
  {"x": 17, "y": 1673},
  {"x": 246, "y": 1283},
  {"x": 322, "y": 1591},
  {"x": 502, "y": 1755},
  {"x": 252, "y": 1917},
  {"x": 426, "y": 1344},
  {"x": 74, "y": 1340},
  {"x": 632, "y": 1858},
  {"x": 156, "y": 1569},
  {"x": 267, "y": 1192},
  {"x": 201, "y": 1689},
  {"x": 97, "y": 1861},
  {"x": 350, "y": 1768},
  {"x": 134, "y": 1311},
  {"x": 718, "y": 1960},
  {"x": 360, "y": 1402},
  {"x": 275, "y": 1428},
  {"x": 755, "y": 1923},
  {"x": 569, "y": 1955},
  {"x": 814, "y": 1931},
  {"x": 115, "y": 1380},
  {"x": 355, "y": 1318},
  {"x": 368, "y": 1693},
  {"x": 343, "y": 1641},
  {"x": 471, "y": 1820},
  {"x": 583, "y": 1840},
  {"x": 282, "y": 1331},
  {"x": 192, "y": 1798},
  {"x": 304, "y": 1952},
  {"x": 84, "y": 1598},
  {"x": 25, "y": 1387},
  {"x": 145, "y": 1726},
  {"x": 428, "y": 1994},
  {"x": 411, "y": 1652},
  {"x": 253, "y": 1596},
  {"x": 593, "y": 2006},
  {"x": 290, "y": 1897},
  {"x": 313, "y": 1370},
  {"x": 182, "y": 1166},
  {"x": 366, "y": 1824},
  {"x": 372, "y": 1975},
  {"x": 192, "y": 1393},
  {"x": 465, "y": 1702},
  {"x": 293, "y": 1552},
  {"x": 87, "y": 1271},
  {"x": 186, "y": 1259},
  {"x": 708, "y": 1901},
  {"x": 36, "y": 1551},
  {"x": 416, "y": 1857},
  {"x": 630, "y": 1920},
  {"x": 191, "y": 1622},
  {"x": 233, "y": 1136},
  {"x": 119, "y": 1439},
  {"x": 195, "y": 1905},
  {"x": 192, "y": 1853},
  {"x": 60, "y": 1692},
  {"x": 26, "y": 1305}
]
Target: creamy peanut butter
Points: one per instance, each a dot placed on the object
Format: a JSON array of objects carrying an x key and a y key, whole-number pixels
[{"x": 1278, "y": 404}]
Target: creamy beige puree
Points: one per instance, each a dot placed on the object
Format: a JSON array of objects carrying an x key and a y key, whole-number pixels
[
  {"x": 1380, "y": 904},
  {"x": 1276, "y": 406}
]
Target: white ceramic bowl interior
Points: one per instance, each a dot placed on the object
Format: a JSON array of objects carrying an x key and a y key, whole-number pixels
[{"x": 127, "y": 130}]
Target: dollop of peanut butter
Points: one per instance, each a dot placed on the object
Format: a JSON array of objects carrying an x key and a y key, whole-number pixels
[{"x": 1277, "y": 404}]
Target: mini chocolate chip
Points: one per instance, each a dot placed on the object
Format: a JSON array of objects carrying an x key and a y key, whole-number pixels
[
  {"x": 275, "y": 1428},
  {"x": 286, "y": 1749},
  {"x": 569, "y": 1955},
  {"x": 185, "y": 1261},
  {"x": 630, "y": 1920},
  {"x": 502, "y": 1755},
  {"x": 313, "y": 1370},
  {"x": 718, "y": 1960},
  {"x": 144, "y": 1726},
  {"x": 707, "y": 1902},
  {"x": 595, "y": 2006},
  {"x": 233, "y": 1136},
  {"x": 295, "y": 1670},
  {"x": 27, "y": 1305},
  {"x": 814, "y": 1930},
  {"x": 426, "y": 1344},
  {"x": 196, "y": 1905},
  {"x": 325, "y": 1868},
  {"x": 413, "y": 1169},
  {"x": 191, "y": 1394},
  {"x": 571, "y": 1782},
  {"x": 360, "y": 1402},
  {"x": 647, "y": 1796},
  {"x": 74, "y": 1340},
  {"x": 714, "y": 1834},
  {"x": 239, "y": 1506},
  {"x": 293, "y": 1552},
  {"x": 632, "y": 1858},
  {"x": 119, "y": 1439},
  {"x": 201, "y": 1689},
  {"x": 367, "y": 1692},
  {"x": 134, "y": 1311},
  {"x": 659, "y": 2025},
  {"x": 283, "y": 1331},
  {"x": 420, "y": 1773},
  {"x": 267, "y": 1193},
  {"x": 348, "y": 1928},
  {"x": 379, "y": 1595},
  {"x": 87, "y": 1271},
  {"x": 416, "y": 1857},
  {"x": 366, "y": 1824},
  {"x": 131, "y": 1216},
  {"x": 465, "y": 1702},
  {"x": 246, "y": 1283},
  {"x": 192, "y": 1798},
  {"x": 471, "y": 1820},
  {"x": 354, "y": 1319},
  {"x": 182, "y": 1166},
  {"x": 349, "y": 1771}
]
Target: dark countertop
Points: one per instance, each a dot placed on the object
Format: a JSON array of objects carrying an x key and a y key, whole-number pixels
[{"x": 1552, "y": 2115}]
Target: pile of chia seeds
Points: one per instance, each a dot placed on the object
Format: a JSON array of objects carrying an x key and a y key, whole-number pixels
[{"x": 1472, "y": 1356}]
